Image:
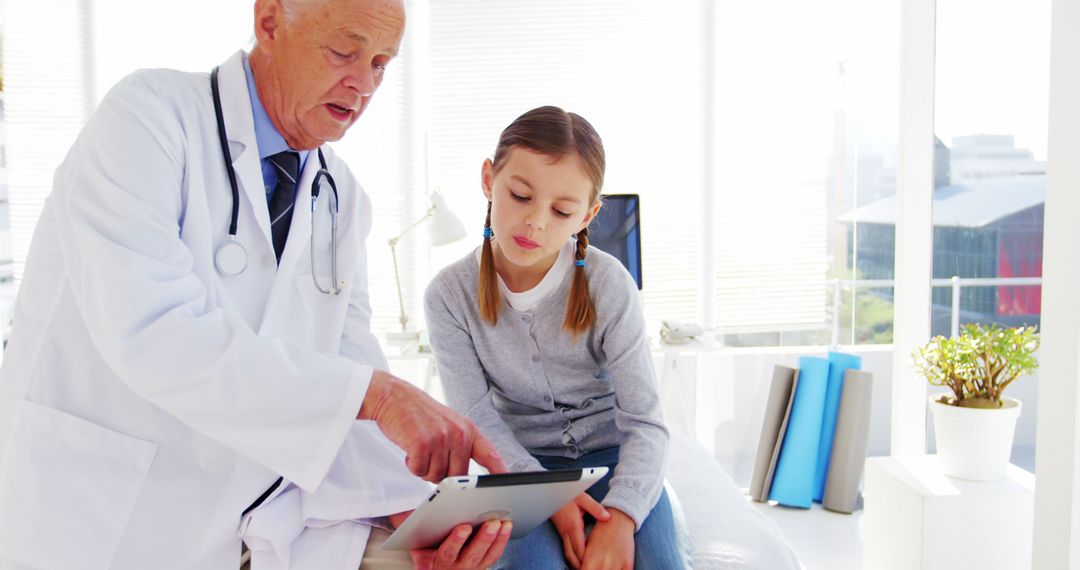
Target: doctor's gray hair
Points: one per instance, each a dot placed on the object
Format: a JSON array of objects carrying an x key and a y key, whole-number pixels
[{"x": 294, "y": 8}]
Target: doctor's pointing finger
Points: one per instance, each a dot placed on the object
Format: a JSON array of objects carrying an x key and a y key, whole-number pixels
[{"x": 439, "y": 441}]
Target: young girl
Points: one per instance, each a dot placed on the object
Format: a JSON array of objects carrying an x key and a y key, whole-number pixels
[{"x": 540, "y": 340}]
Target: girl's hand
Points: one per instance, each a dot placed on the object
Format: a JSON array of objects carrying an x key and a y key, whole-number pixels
[
  {"x": 569, "y": 523},
  {"x": 611, "y": 544},
  {"x": 453, "y": 554}
]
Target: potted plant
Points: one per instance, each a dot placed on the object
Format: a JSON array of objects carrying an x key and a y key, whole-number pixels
[{"x": 974, "y": 424}]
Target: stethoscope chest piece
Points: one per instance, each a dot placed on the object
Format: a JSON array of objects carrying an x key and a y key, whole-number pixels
[{"x": 230, "y": 259}]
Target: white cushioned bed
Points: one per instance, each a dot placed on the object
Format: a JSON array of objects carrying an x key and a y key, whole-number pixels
[{"x": 723, "y": 528}]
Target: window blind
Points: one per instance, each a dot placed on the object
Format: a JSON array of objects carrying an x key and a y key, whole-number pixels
[
  {"x": 725, "y": 136},
  {"x": 48, "y": 91},
  {"x": 636, "y": 70}
]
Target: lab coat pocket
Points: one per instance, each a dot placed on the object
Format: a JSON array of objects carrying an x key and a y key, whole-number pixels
[{"x": 67, "y": 489}]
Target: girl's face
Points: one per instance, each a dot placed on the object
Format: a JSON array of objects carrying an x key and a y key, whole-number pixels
[{"x": 537, "y": 203}]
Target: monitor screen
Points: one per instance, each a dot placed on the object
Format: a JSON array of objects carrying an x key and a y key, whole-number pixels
[{"x": 617, "y": 231}]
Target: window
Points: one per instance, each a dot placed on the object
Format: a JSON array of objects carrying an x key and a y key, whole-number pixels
[
  {"x": 805, "y": 138},
  {"x": 991, "y": 118},
  {"x": 638, "y": 71},
  {"x": 745, "y": 151},
  {"x": 757, "y": 142}
]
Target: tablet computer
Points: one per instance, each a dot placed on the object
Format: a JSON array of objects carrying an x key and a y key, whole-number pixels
[{"x": 527, "y": 499}]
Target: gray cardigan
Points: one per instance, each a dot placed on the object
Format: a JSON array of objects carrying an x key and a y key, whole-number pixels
[{"x": 533, "y": 389}]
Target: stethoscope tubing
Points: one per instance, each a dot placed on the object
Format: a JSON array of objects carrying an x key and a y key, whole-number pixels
[
  {"x": 216, "y": 92},
  {"x": 232, "y": 246}
]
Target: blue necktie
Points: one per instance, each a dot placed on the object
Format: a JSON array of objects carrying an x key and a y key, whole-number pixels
[{"x": 284, "y": 196}]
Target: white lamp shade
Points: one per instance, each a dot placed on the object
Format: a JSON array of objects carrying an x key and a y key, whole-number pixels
[{"x": 445, "y": 226}]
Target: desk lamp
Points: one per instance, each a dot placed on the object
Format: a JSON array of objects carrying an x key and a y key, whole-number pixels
[{"x": 445, "y": 228}]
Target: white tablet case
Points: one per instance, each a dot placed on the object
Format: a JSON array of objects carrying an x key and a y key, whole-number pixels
[{"x": 527, "y": 499}]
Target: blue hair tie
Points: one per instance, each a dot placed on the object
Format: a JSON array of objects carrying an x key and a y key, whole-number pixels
[
  {"x": 580, "y": 263},
  {"x": 488, "y": 233}
]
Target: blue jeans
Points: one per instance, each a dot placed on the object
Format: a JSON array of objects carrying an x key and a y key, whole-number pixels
[{"x": 655, "y": 543}]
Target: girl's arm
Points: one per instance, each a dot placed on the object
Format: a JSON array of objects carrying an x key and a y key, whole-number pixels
[
  {"x": 639, "y": 476},
  {"x": 463, "y": 379}
]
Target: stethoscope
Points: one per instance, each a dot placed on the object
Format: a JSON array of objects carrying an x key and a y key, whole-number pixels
[{"x": 230, "y": 259}]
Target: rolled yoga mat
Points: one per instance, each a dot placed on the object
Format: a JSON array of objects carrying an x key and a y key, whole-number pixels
[
  {"x": 793, "y": 483},
  {"x": 838, "y": 364},
  {"x": 773, "y": 426},
  {"x": 850, "y": 444}
]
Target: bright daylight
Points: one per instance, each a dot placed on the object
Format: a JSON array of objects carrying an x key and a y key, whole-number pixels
[{"x": 539, "y": 284}]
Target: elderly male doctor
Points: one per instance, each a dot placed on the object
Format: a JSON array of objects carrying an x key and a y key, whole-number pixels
[{"x": 154, "y": 392}]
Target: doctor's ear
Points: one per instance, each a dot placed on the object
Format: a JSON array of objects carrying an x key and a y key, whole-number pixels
[
  {"x": 487, "y": 177},
  {"x": 269, "y": 17}
]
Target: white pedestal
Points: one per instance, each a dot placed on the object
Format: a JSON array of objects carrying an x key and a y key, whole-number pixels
[{"x": 916, "y": 517}]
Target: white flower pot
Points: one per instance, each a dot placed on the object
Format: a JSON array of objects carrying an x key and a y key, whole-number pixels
[{"x": 974, "y": 443}]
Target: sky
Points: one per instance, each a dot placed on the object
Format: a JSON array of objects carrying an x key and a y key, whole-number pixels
[{"x": 993, "y": 69}]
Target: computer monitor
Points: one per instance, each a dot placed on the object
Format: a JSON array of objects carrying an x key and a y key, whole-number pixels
[{"x": 617, "y": 231}]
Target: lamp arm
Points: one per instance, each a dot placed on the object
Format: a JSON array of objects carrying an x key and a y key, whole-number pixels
[
  {"x": 403, "y": 319},
  {"x": 430, "y": 212}
]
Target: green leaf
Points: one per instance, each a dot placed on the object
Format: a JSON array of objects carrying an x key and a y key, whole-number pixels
[{"x": 981, "y": 360}]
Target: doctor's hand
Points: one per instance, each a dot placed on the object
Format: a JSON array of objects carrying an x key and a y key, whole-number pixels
[
  {"x": 454, "y": 554},
  {"x": 438, "y": 441}
]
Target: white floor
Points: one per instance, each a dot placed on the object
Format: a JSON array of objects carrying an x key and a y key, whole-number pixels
[{"x": 823, "y": 540}]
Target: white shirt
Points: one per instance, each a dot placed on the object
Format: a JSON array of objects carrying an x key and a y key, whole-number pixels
[{"x": 528, "y": 300}]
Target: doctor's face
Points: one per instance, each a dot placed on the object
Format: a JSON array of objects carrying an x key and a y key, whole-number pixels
[{"x": 317, "y": 68}]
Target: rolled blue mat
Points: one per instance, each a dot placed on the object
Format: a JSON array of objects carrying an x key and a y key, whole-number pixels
[
  {"x": 838, "y": 364},
  {"x": 793, "y": 482}
]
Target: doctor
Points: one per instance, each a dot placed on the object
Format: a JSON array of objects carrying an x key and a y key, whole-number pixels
[{"x": 155, "y": 389}]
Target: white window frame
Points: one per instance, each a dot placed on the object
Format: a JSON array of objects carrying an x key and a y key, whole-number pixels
[
  {"x": 1056, "y": 540},
  {"x": 914, "y": 223},
  {"x": 1056, "y": 529}
]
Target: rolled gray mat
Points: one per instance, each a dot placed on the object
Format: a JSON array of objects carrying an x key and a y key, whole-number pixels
[
  {"x": 772, "y": 431},
  {"x": 849, "y": 443}
]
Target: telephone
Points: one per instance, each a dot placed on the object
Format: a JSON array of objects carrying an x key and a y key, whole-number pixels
[{"x": 674, "y": 332}]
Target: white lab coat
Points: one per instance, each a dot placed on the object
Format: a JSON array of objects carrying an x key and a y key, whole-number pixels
[{"x": 145, "y": 400}]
